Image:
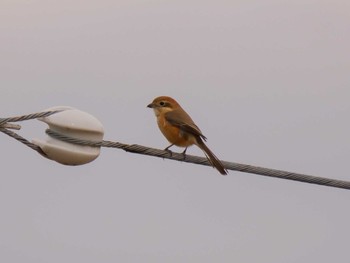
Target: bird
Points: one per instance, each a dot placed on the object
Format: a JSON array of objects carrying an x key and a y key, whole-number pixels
[{"x": 180, "y": 130}]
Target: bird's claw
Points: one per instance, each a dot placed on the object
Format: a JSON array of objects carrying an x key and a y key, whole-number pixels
[{"x": 169, "y": 151}]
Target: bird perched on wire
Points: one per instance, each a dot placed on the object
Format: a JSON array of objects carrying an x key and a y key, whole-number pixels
[{"x": 180, "y": 130}]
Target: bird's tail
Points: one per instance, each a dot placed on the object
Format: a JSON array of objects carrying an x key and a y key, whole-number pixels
[{"x": 211, "y": 157}]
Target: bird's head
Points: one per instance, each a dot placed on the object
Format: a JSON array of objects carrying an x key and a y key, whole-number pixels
[{"x": 163, "y": 104}]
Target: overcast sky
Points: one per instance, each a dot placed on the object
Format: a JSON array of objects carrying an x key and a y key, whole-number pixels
[{"x": 267, "y": 82}]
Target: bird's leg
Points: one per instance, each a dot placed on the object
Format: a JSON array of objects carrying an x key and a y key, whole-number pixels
[
  {"x": 184, "y": 154},
  {"x": 169, "y": 151},
  {"x": 167, "y": 148}
]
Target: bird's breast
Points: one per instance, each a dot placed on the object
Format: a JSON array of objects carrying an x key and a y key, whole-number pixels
[{"x": 174, "y": 134}]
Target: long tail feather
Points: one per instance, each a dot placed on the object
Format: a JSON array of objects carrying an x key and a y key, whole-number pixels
[{"x": 211, "y": 157}]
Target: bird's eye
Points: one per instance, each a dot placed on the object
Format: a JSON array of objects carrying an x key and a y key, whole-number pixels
[{"x": 162, "y": 103}]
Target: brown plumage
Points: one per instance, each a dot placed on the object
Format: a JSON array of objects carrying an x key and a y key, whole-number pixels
[{"x": 180, "y": 130}]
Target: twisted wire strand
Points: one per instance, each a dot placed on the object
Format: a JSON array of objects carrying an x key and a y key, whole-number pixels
[
  {"x": 139, "y": 149},
  {"x": 135, "y": 148},
  {"x": 5, "y": 126},
  {"x": 28, "y": 117},
  {"x": 23, "y": 140}
]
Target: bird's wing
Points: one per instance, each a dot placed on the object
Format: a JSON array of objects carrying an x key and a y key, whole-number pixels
[{"x": 182, "y": 120}]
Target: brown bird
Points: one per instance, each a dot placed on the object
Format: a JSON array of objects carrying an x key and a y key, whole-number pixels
[{"x": 180, "y": 130}]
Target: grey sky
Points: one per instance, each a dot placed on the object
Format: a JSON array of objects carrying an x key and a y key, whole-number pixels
[{"x": 266, "y": 81}]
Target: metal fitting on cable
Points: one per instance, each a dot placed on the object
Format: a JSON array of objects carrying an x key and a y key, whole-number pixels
[{"x": 10, "y": 126}]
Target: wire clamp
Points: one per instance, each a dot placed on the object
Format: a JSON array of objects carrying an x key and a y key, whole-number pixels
[{"x": 72, "y": 123}]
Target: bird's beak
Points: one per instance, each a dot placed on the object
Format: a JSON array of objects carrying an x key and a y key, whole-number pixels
[{"x": 151, "y": 105}]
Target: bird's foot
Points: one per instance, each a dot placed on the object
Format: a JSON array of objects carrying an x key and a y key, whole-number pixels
[{"x": 169, "y": 151}]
